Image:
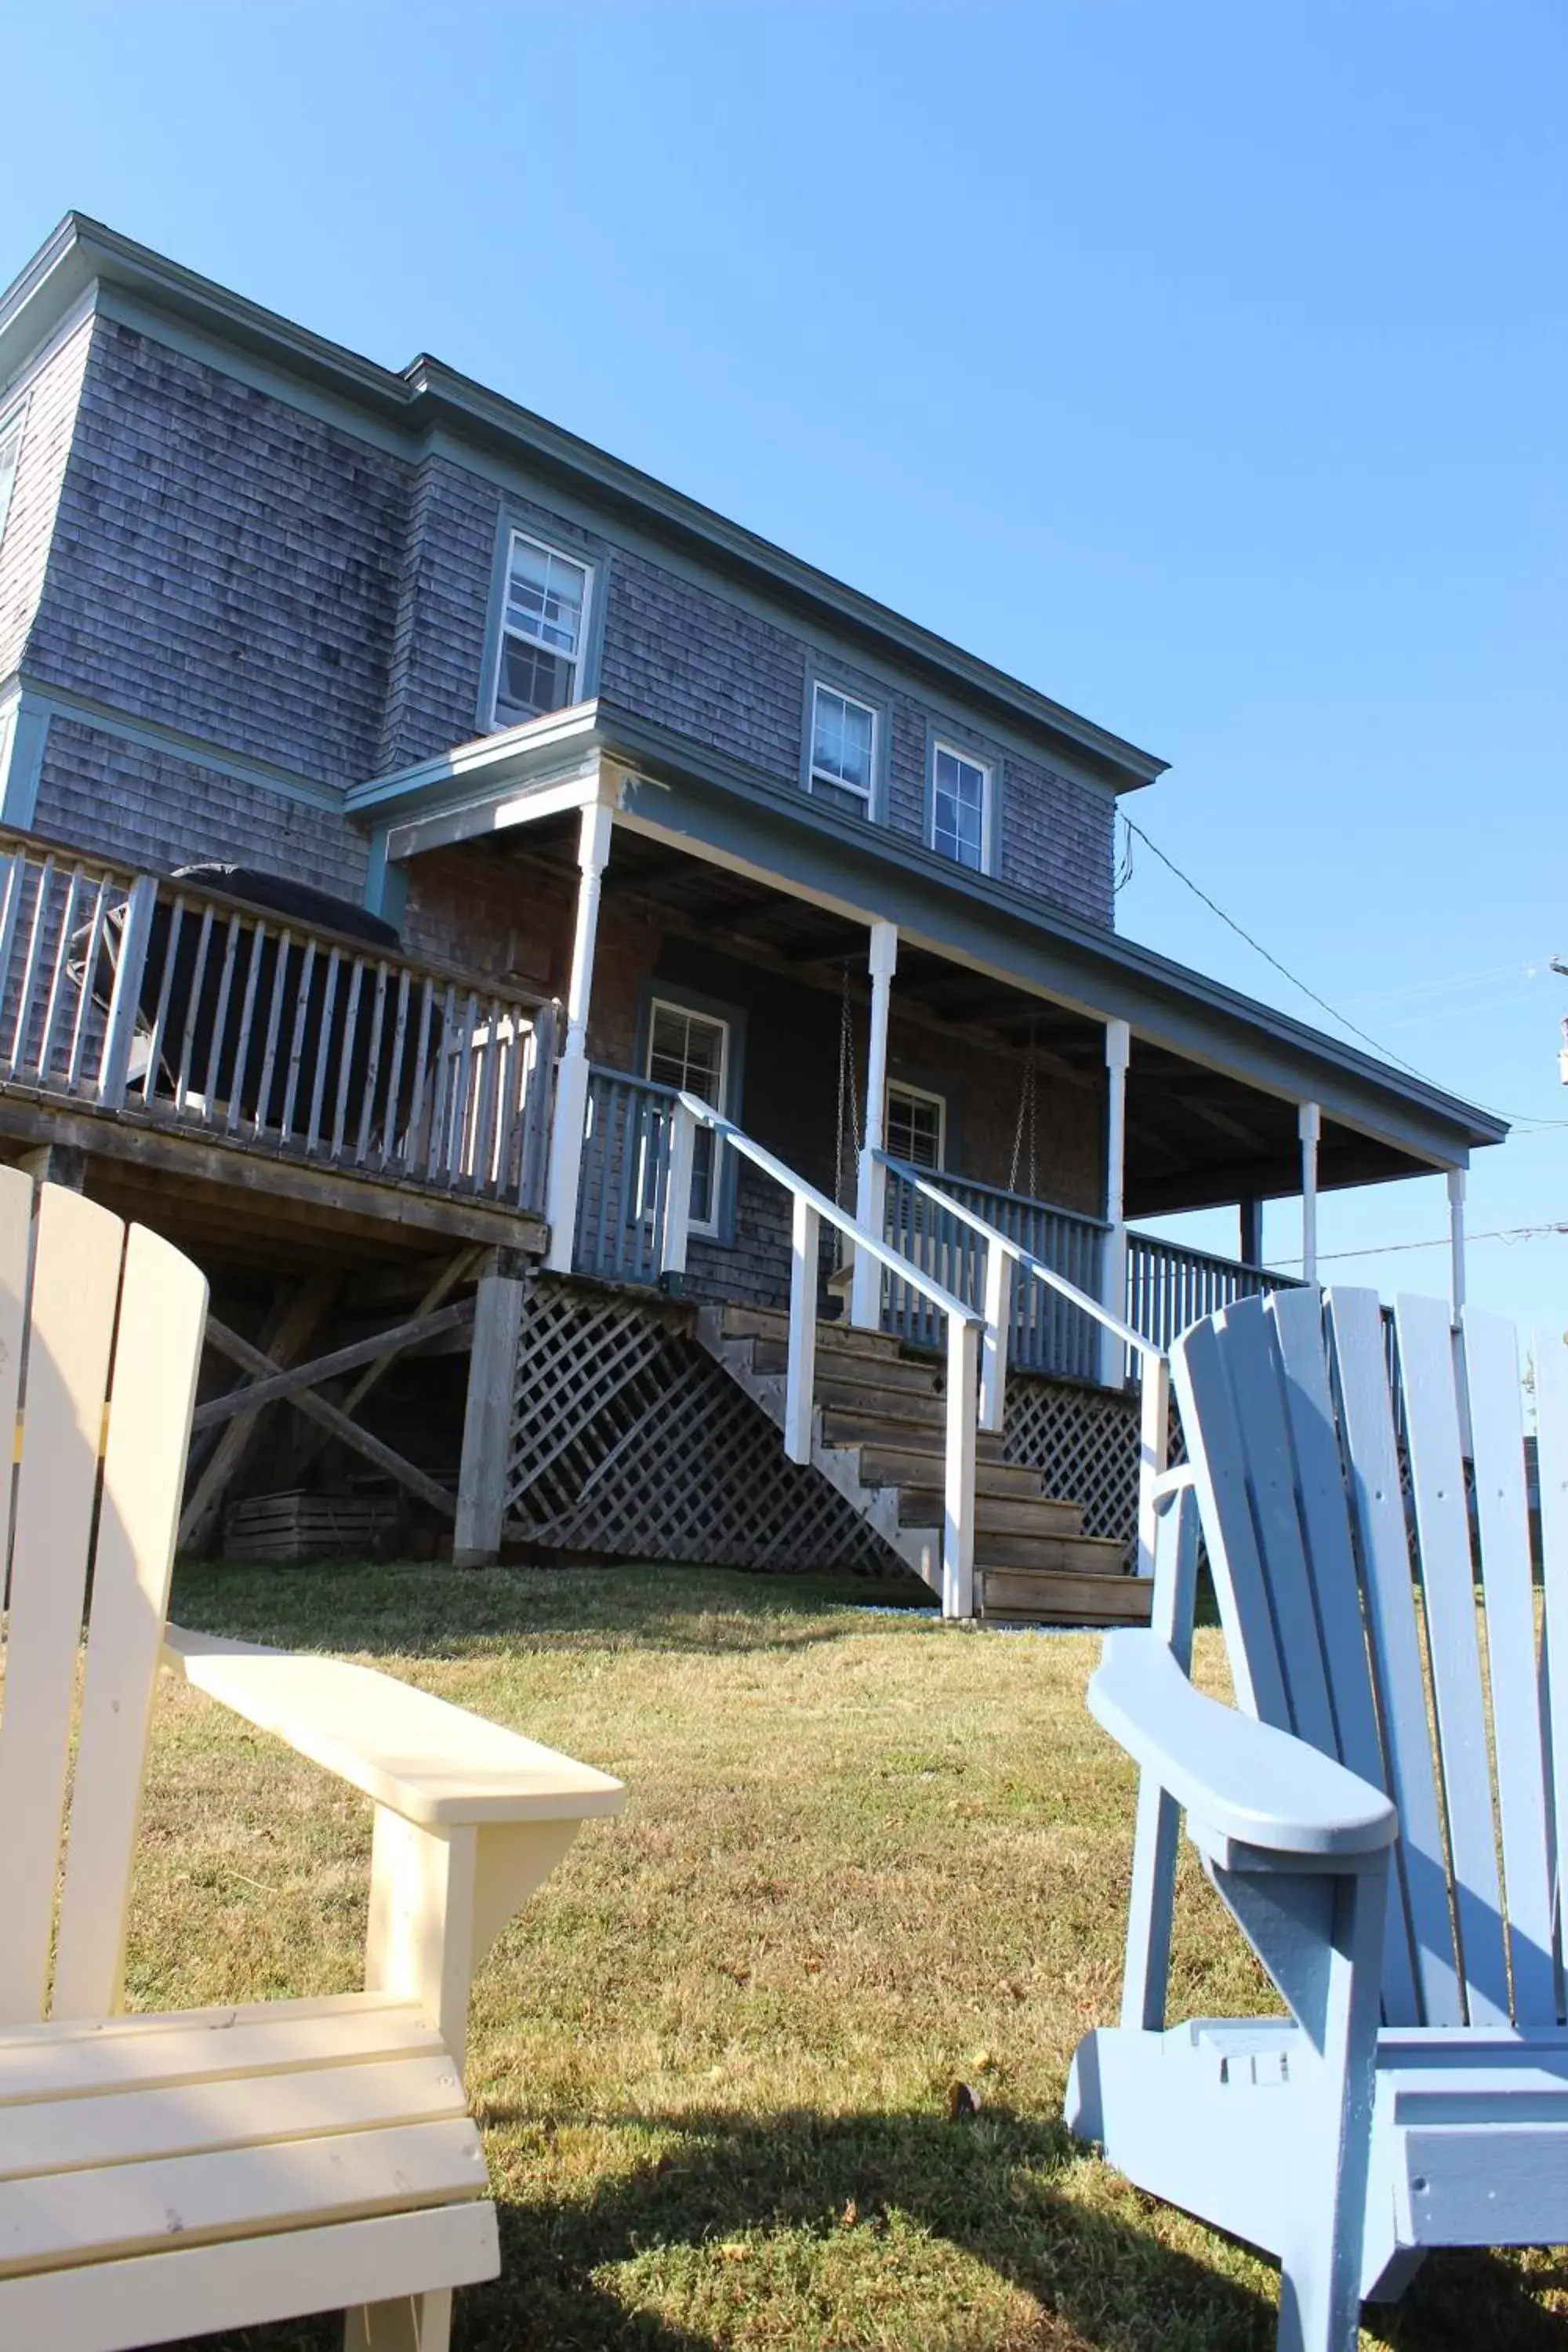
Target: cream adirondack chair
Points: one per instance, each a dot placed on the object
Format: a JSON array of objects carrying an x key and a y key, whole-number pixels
[
  {"x": 1383, "y": 1812},
  {"x": 165, "y": 2177}
]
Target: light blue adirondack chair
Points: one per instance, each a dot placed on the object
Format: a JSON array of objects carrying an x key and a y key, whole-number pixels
[{"x": 1393, "y": 1866}]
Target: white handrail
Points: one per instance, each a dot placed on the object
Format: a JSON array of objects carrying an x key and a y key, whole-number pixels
[
  {"x": 964, "y": 1326},
  {"x": 1155, "y": 1370}
]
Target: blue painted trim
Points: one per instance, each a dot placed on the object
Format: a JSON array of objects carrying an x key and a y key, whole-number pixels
[
  {"x": 152, "y": 735},
  {"x": 385, "y": 885},
  {"x": 24, "y": 737},
  {"x": 717, "y": 1008}
]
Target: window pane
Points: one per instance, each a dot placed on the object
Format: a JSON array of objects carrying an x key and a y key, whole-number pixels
[
  {"x": 843, "y": 735},
  {"x": 687, "y": 1050},
  {"x": 531, "y": 681},
  {"x": 958, "y": 827},
  {"x": 914, "y": 1128}
]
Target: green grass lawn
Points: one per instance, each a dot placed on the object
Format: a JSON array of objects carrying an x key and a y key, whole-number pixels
[{"x": 866, "y": 1858}]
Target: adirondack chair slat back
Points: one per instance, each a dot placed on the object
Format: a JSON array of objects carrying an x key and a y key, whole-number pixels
[
  {"x": 1339, "y": 1631},
  {"x": 99, "y": 1331}
]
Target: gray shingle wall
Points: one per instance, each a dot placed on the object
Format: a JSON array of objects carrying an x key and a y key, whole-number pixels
[
  {"x": 51, "y": 407},
  {"x": 1058, "y": 839},
  {"x": 155, "y": 810},
  {"x": 224, "y": 562},
  {"x": 438, "y": 647},
  {"x": 675, "y": 653}
]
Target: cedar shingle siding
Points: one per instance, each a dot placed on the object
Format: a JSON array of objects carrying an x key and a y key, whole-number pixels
[{"x": 193, "y": 553}]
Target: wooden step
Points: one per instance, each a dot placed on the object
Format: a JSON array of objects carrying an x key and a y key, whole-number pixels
[
  {"x": 1080, "y": 1555},
  {"x": 889, "y": 1465},
  {"x": 1043, "y": 1597},
  {"x": 848, "y": 1380},
  {"x": 1002, "y": 1515},
  {"x": 869, "y": 1425},
  {"x": 831, "y": 1338}
]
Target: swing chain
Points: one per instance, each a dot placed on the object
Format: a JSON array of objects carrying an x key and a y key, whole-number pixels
[
  {"x": 845, "y": 1181},
  {"x": 1028, "y": 1125}
]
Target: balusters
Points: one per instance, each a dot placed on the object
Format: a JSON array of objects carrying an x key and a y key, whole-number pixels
[
  {"x": 274, "y": 1024},
  {"x": 160, "y": 1016},
  {"x": 242, "y": 1043},
  {"x": 84, "y": 993},
  {"x": 395, "y": 1076},
  {"x": 297, "y": 1042}
]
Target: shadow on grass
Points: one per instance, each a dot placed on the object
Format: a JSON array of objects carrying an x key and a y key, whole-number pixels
[
  {"x": 818, "y": 2216},
  {"x": 442, "y": 1613}
]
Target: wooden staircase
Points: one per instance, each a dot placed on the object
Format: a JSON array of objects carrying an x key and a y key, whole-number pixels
[{"x": 878, "y": 1434}]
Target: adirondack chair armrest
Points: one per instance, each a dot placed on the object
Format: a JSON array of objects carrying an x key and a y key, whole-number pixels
[
  {"x": 432, "y": 1764},
  {"x": 1239, "y": 1780}
]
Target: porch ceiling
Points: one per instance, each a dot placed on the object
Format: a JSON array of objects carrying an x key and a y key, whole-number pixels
[{"x": 1196, "y": 1137}]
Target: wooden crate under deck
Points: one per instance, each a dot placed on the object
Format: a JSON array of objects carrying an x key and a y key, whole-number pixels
[{"x": 293, "y": 1527}]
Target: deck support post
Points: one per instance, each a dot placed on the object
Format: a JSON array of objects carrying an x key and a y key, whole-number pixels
[
  {"x": 1113, "y": 1290},
  {"x": 1310, "y": 1122},
  {"x": 871, "y": 1177},
  {"x": 1249, "y": 1219},
  {"x": 572, "y": 1079},
  {"x": 1456, "y": 1242},
  {"x": 487, "y": 1417}
]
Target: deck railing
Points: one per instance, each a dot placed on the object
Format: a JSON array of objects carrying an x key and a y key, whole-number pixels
[
  {"x": 172, "y": 1005},
  {"x": 927, "y": 1226},
  {"x": 1169, "y": 1285},
  {"x": 625, "y": 1179}
]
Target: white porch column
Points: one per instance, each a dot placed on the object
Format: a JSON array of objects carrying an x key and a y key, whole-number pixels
[
  {"x": 871, "y": 1177},
  {"x": 572, "y": 1077},
  {"x": 1309, "y": 1125},
  {"x": 1457, "y": 1241},
  {"x": 1113, "y": 1291}
]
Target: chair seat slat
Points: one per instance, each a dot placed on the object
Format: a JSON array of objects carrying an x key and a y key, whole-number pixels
[
  {"x": 1447, "y": 1585},
  {"x": 1491, "y": 1371},
  {"x": 78, "y": 2135},
  {"x": 1377, "y": 1512}
]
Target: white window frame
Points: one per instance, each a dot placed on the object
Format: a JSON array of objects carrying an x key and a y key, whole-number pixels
[
  {"x": 11, "y": 431},
  {"x": 565, "y": 555},
  {"x": 940, "y": 743},
  {"x": 708, "y": 1225},
  {"x": 919, "y": 1095},
  {"x": 820, "y": 686}
]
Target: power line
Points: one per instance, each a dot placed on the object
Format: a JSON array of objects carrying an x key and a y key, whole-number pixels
[
  {"x": 1386, "y": 1052},
  {"x": 1445, "y": 1241}
]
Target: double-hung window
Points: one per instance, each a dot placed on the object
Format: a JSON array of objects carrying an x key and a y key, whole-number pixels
[
  {"x": 961, "y": 807},
  {"x": 543, "y": 629},
  {"x": 916, "y": 1126},
  {"x": 10, "y": 456},
  {"x": 843, "y": 751},
  {"x": 691, "y": 1051}
]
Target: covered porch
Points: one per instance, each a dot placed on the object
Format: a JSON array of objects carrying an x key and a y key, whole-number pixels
[{"x": 878, "y": 1018}]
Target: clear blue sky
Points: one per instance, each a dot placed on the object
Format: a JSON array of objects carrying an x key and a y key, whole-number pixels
[{"x": 1203, "y": 365}]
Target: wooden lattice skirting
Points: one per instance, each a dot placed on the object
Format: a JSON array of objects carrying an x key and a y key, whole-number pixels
[{"x": 627, "y": 1439}]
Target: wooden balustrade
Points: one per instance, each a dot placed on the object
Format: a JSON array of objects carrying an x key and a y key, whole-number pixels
[
  {"x": 164, "y": 1002},
  {"x": 1046, "y": 1333},
  {"x": 1169, "y": 1285}
]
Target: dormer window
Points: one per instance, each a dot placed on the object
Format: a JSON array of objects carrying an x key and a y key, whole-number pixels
[
  {"x": 543, "y": 629},
  {"x": 843, "y": 751},
  {"x": 961, "y": 807}
]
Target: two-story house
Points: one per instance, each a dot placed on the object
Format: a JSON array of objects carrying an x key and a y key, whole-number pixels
[{"x": 713, "y": 1005}]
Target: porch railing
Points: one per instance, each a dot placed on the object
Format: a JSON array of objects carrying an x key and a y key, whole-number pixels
[
  {"x": 1008, "y": 1267},
  {"x": 927, "y": 1224},
  {"x": 624, "y": 1180},
  {"x": 1169, "y": 1285},
  {"x": 170, "y": 1005}
]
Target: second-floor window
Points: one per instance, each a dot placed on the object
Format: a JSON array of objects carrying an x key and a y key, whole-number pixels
[
  {"x": 843, "y": 750},
  {"x": 961, "y": 807},
  {"x": 544, "y": 628},
  {"x": 10, "y": 454}
]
